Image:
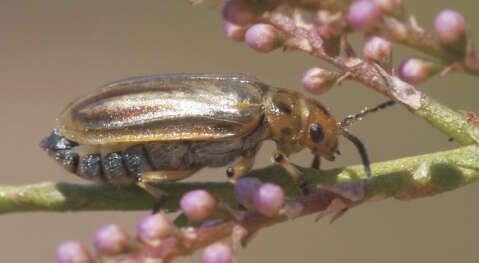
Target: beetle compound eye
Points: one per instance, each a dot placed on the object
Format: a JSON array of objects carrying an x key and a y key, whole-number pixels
[{"x": 316, "y": 132}]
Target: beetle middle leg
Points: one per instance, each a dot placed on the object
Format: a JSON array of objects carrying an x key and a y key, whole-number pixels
[
  {"x": 240, "y": 168},
  {"x": 298, "y": 177},
  {"x": 144, "y": 178}
]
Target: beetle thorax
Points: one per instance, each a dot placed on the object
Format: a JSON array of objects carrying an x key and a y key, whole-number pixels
[{"x": 286, "y": 114}]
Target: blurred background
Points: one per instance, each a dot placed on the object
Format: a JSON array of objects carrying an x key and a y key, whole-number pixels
[{"x": 54, "y": 51}]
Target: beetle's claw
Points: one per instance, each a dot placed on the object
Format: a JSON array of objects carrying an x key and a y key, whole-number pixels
[
  {"x": 278, "y": 157},
  {"x": 156, "y": 208},
  {"x": 230, "y": 172},
  {"x": 159, "y": 204},
  {"x": 303, "y": 186},
  {"x": 316, "y": 164}
]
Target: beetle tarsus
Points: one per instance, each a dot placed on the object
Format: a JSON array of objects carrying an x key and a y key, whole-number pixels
[
  {"x": 316, "y": 164},
  {"x": 303, "y": 186},
  {"x": 157, "y": 193},
  {"x": 143, "y": 180},
  {"x": 157, "y": 206}
]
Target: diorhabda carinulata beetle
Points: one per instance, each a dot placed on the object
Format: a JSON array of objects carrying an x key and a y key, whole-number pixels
[{"x": 167, "y": 127}]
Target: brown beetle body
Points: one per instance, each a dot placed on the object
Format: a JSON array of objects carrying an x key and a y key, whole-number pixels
[{"x": 167, "y": 127}]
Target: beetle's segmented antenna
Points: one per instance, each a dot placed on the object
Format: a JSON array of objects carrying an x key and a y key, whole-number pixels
[
  {"x": 351, "y": 118},
  {"x": 362, "y": 151}
]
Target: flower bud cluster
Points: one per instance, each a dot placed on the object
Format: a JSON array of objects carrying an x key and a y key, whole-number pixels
[{"x": 197, "y": 205}]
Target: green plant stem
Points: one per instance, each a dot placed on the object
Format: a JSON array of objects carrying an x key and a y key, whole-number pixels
[
  {"x": 394, "y": 176},
  {"x": 448, "y": 121}
]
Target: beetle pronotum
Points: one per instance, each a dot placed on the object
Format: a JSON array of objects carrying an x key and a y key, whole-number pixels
[{"x": 167, "y": 127}]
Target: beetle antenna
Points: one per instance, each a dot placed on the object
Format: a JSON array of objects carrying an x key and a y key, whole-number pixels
[
  {"x": 362, "y": 150},
  {"x": 352, "y": 118}
]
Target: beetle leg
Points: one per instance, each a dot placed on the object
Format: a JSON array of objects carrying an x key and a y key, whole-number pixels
[
  {"x": 144, "y": 178},
  {"x": 239, "y": 169},
  {"x": 298, "y": 177}
]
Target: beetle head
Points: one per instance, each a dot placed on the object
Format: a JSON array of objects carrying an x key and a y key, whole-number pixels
[
  {"x": 297, "y": 122},
  {"x": 319, "y": 130}
]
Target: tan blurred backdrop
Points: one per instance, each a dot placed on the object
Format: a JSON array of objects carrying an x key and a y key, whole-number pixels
[{"x": 54, "y": 51}]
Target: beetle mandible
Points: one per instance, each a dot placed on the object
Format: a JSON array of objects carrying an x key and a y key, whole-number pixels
[{"x": 167, "y": 127}]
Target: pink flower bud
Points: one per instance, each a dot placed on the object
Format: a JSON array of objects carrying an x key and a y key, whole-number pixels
[
  {"x": 153, "y": 228},
  {"x": 363, "y": 15},
  {"x": 234, "y": 31},
  {"x": 268, "y": 199},
  {"x": 110, "y": 240},
  {"x": 416, "y": 70},
  {"x": 378, "y": 50},
  {"x": 72, "y": 252},
  {"x": 197, "y": 205},
  {"x": 245, "y": 188},
  {"x": 318, "y": 80},
  {"x": 218, "y": 253},
  {"x": 239, "y": 12},
  {"x": 388, "y": 5},
  {"x": 449, "y": 26},
  {"x": 263, "y": 37}
]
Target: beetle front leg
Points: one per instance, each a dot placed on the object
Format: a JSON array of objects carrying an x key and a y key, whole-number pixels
[
  {"x": 144, "y": 178},
  {"x": 298, "y": 177},
  {"x": 239, "y": 169}
]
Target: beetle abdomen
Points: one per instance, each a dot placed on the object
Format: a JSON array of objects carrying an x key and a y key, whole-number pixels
[{"x": 87, "y": 162}]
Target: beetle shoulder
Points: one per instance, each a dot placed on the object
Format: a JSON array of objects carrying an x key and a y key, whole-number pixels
[{"x": 166, "y": 108}]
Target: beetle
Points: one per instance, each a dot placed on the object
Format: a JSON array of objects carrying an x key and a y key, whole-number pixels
[{"x": 167, "y": 127}]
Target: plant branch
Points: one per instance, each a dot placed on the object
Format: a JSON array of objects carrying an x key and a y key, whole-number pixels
[{"x": 62, "y": 197}]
